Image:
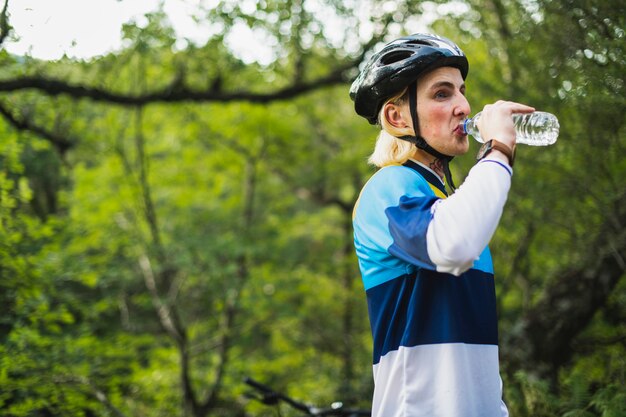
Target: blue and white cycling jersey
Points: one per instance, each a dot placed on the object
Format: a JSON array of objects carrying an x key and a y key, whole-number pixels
[{"x": 435, "y": 334}]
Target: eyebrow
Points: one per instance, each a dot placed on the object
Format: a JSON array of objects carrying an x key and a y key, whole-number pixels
[{"x": 445, "y": 84}]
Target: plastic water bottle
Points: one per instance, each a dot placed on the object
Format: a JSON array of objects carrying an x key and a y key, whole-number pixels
[{"x": 537, "y": 128}]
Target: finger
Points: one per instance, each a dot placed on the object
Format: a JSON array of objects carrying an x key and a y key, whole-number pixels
[{"x": 517, "y": 107}]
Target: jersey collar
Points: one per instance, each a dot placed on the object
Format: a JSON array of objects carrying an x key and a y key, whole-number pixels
[{"x": 428, "y": 174}]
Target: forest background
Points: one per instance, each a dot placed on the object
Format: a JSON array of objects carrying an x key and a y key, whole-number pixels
[{"x": 173, "y": 219}]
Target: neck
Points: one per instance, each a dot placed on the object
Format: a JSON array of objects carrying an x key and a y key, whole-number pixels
[{"x": 430, "y": 161}]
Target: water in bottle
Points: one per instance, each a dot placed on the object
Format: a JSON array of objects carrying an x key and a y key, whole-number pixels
[{"x": 537, "y": 128}]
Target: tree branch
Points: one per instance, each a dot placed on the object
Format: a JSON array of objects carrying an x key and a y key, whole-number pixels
[
  {"x": 163, "y": 311},
  {"x": 59, "y": 142},
  {"x": 231, "y": 308},
  {"x": 4, "y": 23},
  {"x": 226, "y": 328},
  {"x": 92, "y": 390},
  {"x": 173, "y": 93},
  {"x": 104, "y": 400},
  {"x": 166, "y": 311}
]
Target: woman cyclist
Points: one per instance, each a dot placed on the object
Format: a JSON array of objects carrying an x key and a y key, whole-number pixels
[{"x": 423, "y": 255}]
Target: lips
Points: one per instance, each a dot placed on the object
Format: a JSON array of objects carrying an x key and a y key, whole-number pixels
[{"x": 459, "y": 131}]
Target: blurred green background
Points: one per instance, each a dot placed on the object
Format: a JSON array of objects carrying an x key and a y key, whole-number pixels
[{"x": 173, "y": 219}]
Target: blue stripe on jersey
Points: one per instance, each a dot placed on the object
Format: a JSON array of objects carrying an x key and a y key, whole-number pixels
[
  {"x": 484, "y": 262},
  {"x": 396, "y": 198},
  {"x": 408, "y": 224},
  {"x": 430, "y": 307}
]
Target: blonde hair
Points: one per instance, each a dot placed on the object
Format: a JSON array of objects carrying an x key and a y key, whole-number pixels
[{"x": 390, "y": 150}]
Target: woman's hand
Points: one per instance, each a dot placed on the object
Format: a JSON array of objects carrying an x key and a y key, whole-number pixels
[{"x": 496, "y": 121}]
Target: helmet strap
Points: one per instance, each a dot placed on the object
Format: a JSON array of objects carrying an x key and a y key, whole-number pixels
[{"x": 420, "y": 142}]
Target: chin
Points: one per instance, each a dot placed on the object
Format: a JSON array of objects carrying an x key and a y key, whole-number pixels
[{"x": 461, "y": 146}]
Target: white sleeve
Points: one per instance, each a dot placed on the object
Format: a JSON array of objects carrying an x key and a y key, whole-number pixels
[{"x": 463, "y": 224}]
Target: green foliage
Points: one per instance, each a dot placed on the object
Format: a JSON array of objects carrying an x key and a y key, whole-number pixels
[{"x": 229, "y": 223}]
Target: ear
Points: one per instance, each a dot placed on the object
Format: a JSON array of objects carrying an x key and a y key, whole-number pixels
[{"x": 394, "y": 116}]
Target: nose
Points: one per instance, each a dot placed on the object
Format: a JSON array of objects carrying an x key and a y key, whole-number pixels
[{"x": 462, "y": 108}]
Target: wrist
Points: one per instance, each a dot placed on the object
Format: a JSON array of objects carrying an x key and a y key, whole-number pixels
[{"x": 497, "y": 150}]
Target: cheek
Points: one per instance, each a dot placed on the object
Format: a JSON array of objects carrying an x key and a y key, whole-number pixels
[
  {"x": 440, "y": 114},
  {"x": 435, "y": 120}
]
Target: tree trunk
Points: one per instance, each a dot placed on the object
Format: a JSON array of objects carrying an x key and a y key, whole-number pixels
[{"x": 542, "y": 341}]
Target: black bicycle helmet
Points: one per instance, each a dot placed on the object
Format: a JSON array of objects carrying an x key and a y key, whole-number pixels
[{"x": 397, "y": 66}]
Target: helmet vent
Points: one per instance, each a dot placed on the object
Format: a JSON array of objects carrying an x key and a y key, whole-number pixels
[
  {"x": 420, "y": 42},
  {"x": 395, "y": 56}
]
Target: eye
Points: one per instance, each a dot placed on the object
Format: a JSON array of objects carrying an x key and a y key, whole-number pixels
[{"x": 441, "y": 94}]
